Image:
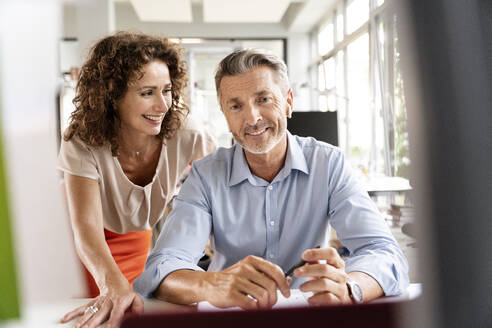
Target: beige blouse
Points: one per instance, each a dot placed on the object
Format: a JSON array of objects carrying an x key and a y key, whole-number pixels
[{"x": 128, "y": 207}]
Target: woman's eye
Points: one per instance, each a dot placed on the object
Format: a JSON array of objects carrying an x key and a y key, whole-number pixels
[
  {"x": 264, "y": 99},
  {"x": 166, "y": 91},
  {"x": 235, "y": 107},
  {"x": 146, "y": 93}
]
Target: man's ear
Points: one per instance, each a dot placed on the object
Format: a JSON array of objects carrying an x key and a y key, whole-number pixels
[{"x": 290, "y": 103}]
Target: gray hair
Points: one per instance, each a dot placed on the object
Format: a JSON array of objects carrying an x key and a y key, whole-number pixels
[{"x": 242, "y": 61}]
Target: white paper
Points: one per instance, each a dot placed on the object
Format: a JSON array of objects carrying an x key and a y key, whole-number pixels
[{"x": 296, "y": 299}]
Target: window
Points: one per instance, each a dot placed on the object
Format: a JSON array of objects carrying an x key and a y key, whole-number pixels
[
  {"x": 357, "y": 70},
  {"x": 325, "y": 38},
  {"x": 357, "y": 14},
  {"x": 402, "y": 152},
  {"x": 341, "y": 100},
  {"x": 340, "y": 29},
  {"x": 329, "y": 66},
  {"x": 322, "y": 100},
  {"x": 379, "y": 158},
  {"x": 358, "y": 112}
]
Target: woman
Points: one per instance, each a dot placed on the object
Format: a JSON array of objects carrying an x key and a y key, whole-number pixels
[{"x": 127, "y": 145}]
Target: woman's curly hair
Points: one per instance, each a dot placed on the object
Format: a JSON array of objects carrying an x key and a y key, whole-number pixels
[{"x": 113, "y": 63}]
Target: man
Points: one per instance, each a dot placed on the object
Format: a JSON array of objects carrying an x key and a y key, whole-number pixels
[{"x": 266, "y": 203}]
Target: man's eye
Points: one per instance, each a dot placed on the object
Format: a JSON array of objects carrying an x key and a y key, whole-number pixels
[
  {"x": 235, "y": 107},
  {"x": 264, "y": 99},
  {"x": 146, "y": 93}
]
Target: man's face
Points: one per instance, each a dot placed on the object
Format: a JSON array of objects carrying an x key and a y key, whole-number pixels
[{"x": 256, "y": 106}]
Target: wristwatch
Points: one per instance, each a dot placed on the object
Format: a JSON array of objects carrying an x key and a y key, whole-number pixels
[{"x": 355, "y": 292}]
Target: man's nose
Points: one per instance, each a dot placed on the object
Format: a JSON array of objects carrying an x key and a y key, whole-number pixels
[{"x": 253, "y": 115}]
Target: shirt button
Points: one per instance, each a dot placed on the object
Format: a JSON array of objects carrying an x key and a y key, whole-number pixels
[
  {"x": 272, "y": 223},
  {"x": 270, "y": 187},
  {"x": 272, "y": 255}
]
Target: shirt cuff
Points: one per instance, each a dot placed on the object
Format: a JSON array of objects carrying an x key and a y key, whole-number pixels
[
  {"x": 148, "y": 282},
  {"x": 391, "y": 272}
]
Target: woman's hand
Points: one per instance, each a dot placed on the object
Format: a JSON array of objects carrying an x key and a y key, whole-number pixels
[{"x": 113, "y": 303}]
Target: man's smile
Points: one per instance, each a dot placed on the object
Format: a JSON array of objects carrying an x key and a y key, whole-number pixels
[{"x": 256, "y": 132}]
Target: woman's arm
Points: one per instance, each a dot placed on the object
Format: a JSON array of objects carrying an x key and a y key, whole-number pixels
[
  {"x": 116, "y": 294},
  {"x": 85, "y": 208}
]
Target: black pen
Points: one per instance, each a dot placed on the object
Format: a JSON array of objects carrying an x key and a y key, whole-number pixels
[{"x": 289, "y": 272}]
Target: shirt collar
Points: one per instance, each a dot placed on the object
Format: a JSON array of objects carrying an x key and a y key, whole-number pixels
[
  {"x": 239, "y": 167},
  {"x": 294, "y": 160}
]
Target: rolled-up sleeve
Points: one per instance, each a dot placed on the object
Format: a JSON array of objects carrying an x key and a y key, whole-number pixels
[
  {"x": 183, "y": 237},
  {"x": 362, "y": 229}
]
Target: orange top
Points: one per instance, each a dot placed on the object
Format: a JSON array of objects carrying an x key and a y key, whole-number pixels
[{"x": 129, "y": 251}]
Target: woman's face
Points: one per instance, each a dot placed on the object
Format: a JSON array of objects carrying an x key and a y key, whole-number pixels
[{"x": 146, "y": 101}]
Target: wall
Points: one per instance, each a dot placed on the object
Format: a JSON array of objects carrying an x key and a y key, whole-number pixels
[{"x": 297, "y": 43}]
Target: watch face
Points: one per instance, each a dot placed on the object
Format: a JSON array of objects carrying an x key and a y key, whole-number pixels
[{"x": 355, "y": 291}]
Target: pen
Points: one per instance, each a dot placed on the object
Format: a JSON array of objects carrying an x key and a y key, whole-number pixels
[{"x": 289, "y": 272}]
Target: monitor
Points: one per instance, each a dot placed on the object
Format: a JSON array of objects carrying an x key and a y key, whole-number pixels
[{"x": 322, "y": 126}]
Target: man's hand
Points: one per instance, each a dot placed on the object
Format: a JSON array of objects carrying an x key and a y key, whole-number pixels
[
  {"x": 328, "y": 280},
  {"x": 250, "y": 284}
]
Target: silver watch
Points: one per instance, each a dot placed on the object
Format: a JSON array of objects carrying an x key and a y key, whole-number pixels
[{"x": 355, "y": 292}]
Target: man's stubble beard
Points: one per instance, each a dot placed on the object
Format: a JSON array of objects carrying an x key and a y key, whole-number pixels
[{"x": 268, "y": 148}]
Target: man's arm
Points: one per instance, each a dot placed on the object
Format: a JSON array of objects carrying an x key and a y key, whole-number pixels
[
  {"x": 250, "y": 284},
  {"x": 376, "y": 262}
]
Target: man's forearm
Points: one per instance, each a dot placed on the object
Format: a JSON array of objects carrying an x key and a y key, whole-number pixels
[
  {"x": 182, "y": 287},
  {"x": 370, "y": 287}
]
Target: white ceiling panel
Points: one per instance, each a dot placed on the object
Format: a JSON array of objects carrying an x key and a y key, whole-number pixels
[
  {"x": 163, "y": 10},
  {"x": 244, "y": 11},
  {"x": 310, "y": 14}
]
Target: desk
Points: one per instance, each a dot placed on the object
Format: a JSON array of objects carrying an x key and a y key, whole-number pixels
[
  {"x": 380, "y": 184},
  {"x": 47, "y": 316}
]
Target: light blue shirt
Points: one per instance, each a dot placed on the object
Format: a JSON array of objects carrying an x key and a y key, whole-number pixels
[{"x": 245, "y": 215}]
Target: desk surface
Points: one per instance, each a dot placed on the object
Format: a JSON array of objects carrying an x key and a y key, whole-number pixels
[
  {"x": 48, "y": 315},
  {"x": 375, "y": 184}
]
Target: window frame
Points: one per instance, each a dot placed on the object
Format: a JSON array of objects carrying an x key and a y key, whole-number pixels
[{"x": 382, "y": 87}]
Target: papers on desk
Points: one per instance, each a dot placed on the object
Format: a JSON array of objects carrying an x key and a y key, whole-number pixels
[
  {"x": 296, "y": 299},
  {"x": 299, "y": 299}
]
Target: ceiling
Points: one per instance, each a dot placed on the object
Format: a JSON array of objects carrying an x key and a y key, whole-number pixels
[{"x": 296, "y": 15}]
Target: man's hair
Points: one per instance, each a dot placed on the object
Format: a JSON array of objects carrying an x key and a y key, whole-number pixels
[
  {"x": 114, "y": 62},
  {"x": 242, "y": 61}
]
